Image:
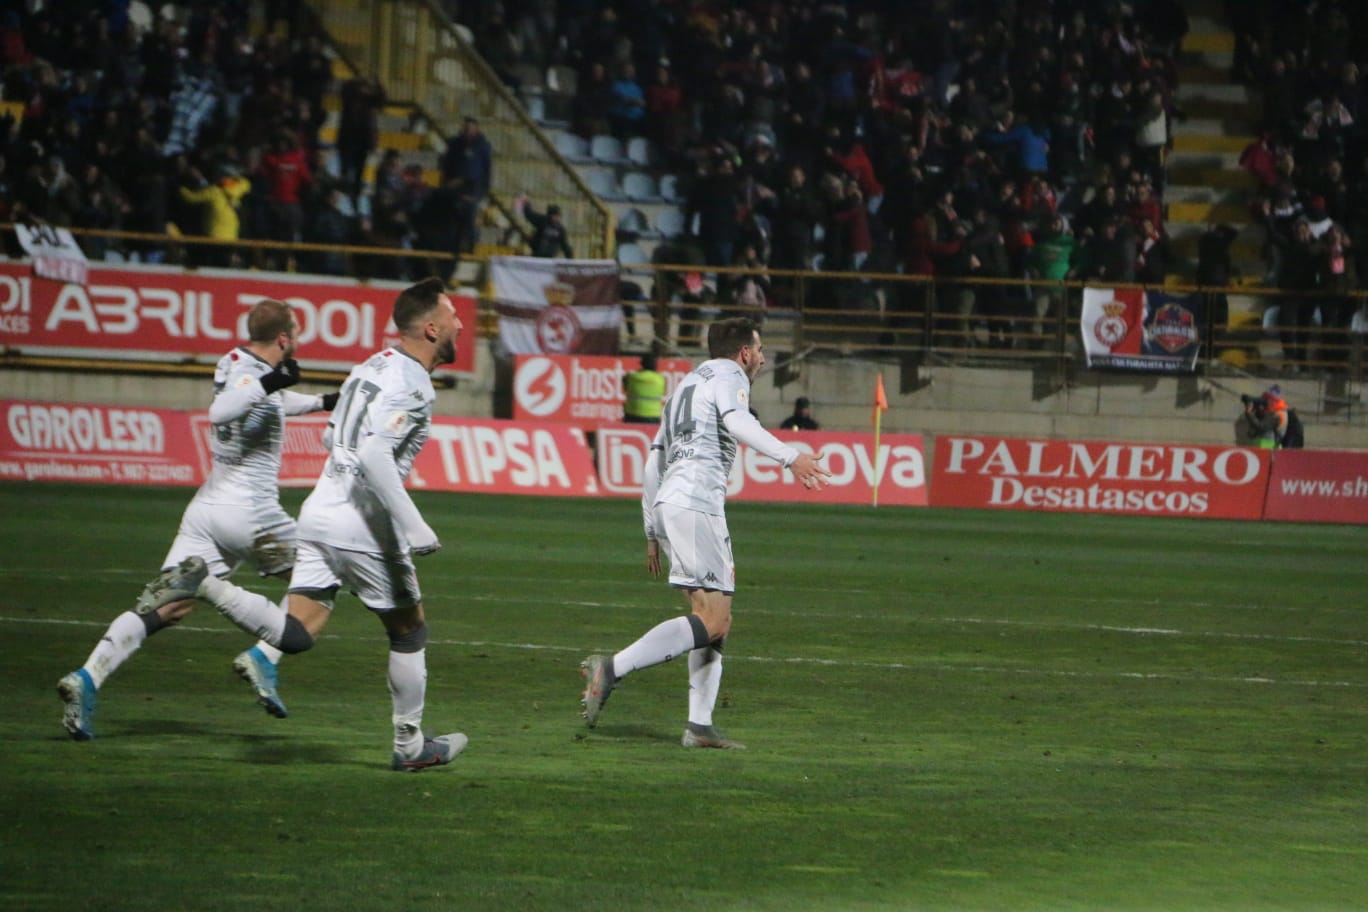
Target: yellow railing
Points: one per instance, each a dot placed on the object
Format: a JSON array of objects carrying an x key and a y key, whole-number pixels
[
  {"x": 891, "y": 315},
  {"x": 420, "y": 57}
]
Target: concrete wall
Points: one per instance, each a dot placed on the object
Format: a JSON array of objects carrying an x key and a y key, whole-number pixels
[{"x": 930, "y": 400}]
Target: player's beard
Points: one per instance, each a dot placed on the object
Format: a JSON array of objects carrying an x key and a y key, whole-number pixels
[{"x": 446, "y": 351}]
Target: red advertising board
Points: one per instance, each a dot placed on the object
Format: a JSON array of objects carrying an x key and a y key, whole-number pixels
[
  {"x": 1098, "y": 477},
  {"x": 115, "y": 445},
  {"x": 42, "y": 441},
  {"x": 584, "y": 390},
  {"x": 621, "y": 452},
  {"x": 1318, "y": 486},
  {"x": 505, "y": 457},
  {"x": 158, "y": 313}
]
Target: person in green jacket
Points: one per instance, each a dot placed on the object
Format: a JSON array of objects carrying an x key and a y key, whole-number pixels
[
  {"x": 645, "y": 393},
  {"x": 1051, "y": 258}
]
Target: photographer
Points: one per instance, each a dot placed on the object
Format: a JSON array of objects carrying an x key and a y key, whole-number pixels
[{"x": 1268, "y": 423}]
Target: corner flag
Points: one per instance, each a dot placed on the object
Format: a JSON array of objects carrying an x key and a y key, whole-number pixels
[{"x": 880, "y": 406}]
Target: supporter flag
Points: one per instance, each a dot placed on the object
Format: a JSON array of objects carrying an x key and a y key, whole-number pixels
[
  {"x": 1134, "y": 329},
  {"x": 55, "y": 253},
  {"x": 557, "y": 307},
  {"x": 880, "y": 406}
]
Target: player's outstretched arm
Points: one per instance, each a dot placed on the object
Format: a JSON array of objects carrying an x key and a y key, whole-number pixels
[{"x": 808, "y": 469}]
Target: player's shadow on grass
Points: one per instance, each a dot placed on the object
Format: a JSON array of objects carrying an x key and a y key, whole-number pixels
[
  {"x": 631, "y": 732},
  {"x": 283, "y": 750}
]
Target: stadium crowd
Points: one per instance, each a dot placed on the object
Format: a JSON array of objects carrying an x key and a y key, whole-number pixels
[
  {"x": 1309, "y": 161},
  {"x": 1020, "y": 139}
]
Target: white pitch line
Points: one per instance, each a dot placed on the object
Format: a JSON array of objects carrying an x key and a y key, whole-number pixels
[{"x": 804, "y": 660}]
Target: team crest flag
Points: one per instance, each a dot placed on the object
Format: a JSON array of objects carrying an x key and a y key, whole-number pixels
[
  {"x": 557, "y": 307},
  {"x": 1133, "y": 329}
]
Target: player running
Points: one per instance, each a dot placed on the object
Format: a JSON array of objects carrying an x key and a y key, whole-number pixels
[{"x": 683, "y": 509}]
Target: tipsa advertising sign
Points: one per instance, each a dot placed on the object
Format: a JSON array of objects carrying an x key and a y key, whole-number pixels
[{"x": 1140, "y": 479}]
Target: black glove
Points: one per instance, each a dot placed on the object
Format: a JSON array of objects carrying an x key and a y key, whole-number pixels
[
  {"x": 330, "y": 401},
  {"x": 286, "y": 373}
]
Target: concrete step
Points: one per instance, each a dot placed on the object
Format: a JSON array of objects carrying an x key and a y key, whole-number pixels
[
  {"x": 1205, "y": 194},
  {"x": 1224, "y": 90},
  {"x": 1208, "y": 161},
  {"x": 1244, "y": 115},
  {"x": 1202, "y": 63},
  {"x": 1207, "y": 40},
  {"x": 1208, "y": 213},
  {"x": 1221, "y": 145},
  {"x": 1184, "y": 174},
  {"x": 1201, "y": 70},
  {"x": 1202, "y": 126},
  {"x": 1245, "y": 233}
]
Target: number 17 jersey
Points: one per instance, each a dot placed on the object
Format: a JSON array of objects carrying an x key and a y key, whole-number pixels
[{"x": 389, "y": 395}]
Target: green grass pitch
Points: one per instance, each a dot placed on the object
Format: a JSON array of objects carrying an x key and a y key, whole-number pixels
[{"x": 946, "y": 710}]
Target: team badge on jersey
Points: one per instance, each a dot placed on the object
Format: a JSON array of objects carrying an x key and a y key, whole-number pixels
[
  {"x": 743, "y": 399},
  {"x": 245, "y": 380},
  {"x": 397, "y": 422}
]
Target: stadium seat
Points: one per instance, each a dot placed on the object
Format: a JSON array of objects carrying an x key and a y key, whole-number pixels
[
  {"x": 634, "y": 221},
  {"x": 640, "y": 187},
  {"x": 670, "y": 222},
  {"x": 631, "y": 255},
  {"x": 639, "y": 152},
  {"x": 536, "y": 107},
  {"x": 669, "y": 188},
  {"x": 604, "y": 184},
  {"x": 607, "y": 150},
  {"x": 575, "y": 148}
]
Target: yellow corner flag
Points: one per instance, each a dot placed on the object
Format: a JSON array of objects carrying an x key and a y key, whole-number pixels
[{"x": 880, "y": 406}]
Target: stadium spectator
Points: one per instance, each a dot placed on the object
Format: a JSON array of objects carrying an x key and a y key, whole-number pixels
[
  {"x": 683, "y": 506},
  {"x": 218, "y": 202},
  {"x": 645, "y": 393},
  {"x": 234, "y": 518},
  {"x": 628, "y": 111},
  {"x": 360, "y": 528},
  {"x": 358, "y": 129},
  {"x": 801, "y": 419},
  {"x": 550, "y": 238},
  {"x": 468, "y": 169}
]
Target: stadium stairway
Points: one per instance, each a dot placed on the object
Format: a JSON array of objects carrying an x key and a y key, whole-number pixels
[{"x": 1206, "y": 185}]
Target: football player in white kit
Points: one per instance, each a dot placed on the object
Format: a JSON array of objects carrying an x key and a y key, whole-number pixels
[
  {"x": 234, "y": 518},
  {"x": 359, "y": 528},
  {"x": 683, "y": 505}
]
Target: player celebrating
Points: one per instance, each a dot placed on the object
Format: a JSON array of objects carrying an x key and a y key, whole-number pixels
[
  {"x": 683, "y": 508},
  {"x": 235, "y": 517},
  {"x": 359, "y": 527}
]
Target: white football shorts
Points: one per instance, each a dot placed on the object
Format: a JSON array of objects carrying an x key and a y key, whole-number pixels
[
  {"x": 698, "y": 546},
  {"x": 229, "y": 535},
  {"x": 382, "y": 583}
]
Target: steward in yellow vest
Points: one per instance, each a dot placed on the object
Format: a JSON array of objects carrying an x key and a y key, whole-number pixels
[{"x": 645, "y": 393}]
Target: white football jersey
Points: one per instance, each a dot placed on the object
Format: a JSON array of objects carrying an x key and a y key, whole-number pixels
[
  {"x": 247, "y": 431},
  {"x": 390, "y": 395},
  {"x": 697, "y": 449}
]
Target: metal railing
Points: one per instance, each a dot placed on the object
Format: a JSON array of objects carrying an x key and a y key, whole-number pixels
[
  {"x": 941, "y": 319},
  {"x": 421, "y": 58}
]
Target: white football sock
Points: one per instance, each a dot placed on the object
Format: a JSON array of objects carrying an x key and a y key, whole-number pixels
[
  {"x": 271, "y": 653},
  {"x": 254, "y": 613},
  {"x": 408, "y": 689},
  {"x": 123, "y": 638},
  {"x": 661, "y": 643},
  {"x": 705, "y": 680}
]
